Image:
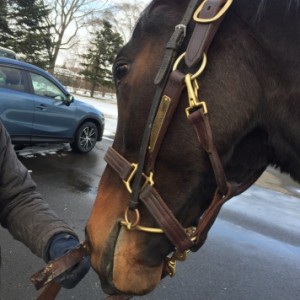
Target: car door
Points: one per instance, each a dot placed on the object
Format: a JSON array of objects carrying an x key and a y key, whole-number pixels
[
  {"x": 55, "y": 118},
  {"x": 16, "y": 103}
]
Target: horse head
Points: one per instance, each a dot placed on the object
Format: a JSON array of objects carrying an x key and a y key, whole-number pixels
[{"x": 132, "y": 261}]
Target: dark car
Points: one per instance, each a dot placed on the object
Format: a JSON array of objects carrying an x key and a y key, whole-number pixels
[{"x": 36, "y": 108}]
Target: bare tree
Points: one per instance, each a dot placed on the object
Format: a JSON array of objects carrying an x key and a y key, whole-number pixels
[
  {"x": 123, "y": 16},
  {"x": 66, "y": 19}
]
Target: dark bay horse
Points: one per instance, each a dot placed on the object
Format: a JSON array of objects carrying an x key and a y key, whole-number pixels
[{"x": 251, "y": 90}]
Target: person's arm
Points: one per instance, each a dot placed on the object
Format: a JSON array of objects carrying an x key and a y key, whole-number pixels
[
  {"x": 22, "y": 210},
  {"x": 27, "y": 216}
]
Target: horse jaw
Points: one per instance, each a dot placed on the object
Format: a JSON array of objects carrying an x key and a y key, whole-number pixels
[{"x": 116, "y": 254}]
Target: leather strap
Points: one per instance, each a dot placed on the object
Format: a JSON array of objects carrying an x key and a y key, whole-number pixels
[
  {"x": 56, "y": 267},
  {"x": 172, "y": 48},
  {"x": 204, "y": 134},
  {"x": 175, "y": 42},
  {"x": 118, "y": 163},
  {"x": 165, "y": 218},
  {"x": 203, "y": 34},
  {"x": 156, "y": 205},
  {"x": 50, "y": 291},
  {"x": 225, "y": 190},
  {"x": 172, "y": 93}
]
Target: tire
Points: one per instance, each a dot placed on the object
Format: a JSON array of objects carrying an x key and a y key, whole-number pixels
[{"x": 85, "y": 138}]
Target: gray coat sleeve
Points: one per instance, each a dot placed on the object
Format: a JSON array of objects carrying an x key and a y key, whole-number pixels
[{"x": 22, "y": 209}]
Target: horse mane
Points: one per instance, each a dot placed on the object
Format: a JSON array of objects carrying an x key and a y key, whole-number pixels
[{"x": 290, "y": 5}]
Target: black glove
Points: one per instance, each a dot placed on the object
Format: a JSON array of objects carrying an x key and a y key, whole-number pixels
[{"x": 58, "y": 246}]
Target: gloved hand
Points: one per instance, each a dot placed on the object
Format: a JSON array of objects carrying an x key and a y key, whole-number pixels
[{"x": 59, "y": 245}]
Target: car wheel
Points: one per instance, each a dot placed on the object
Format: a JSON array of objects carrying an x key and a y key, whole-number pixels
[{"x": 85, "y": 138}]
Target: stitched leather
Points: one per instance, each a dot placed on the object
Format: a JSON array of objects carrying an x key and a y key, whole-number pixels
[
  {"x": 118, "y": 163},
  {"x": 203, "y": 34},
  {"x": 59, "y": 265},
  {"x": 203, "y": 130},
  {"x": 165, "y": 218}
]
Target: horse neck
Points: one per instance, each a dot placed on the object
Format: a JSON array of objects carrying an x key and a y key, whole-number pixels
[{"x": 274, "y": 25}]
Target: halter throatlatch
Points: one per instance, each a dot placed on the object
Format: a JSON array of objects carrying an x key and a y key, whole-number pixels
[{"x": 138, "y": 177}]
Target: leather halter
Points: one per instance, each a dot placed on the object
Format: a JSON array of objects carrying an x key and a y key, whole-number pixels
[{"x": 171, "y": 83}]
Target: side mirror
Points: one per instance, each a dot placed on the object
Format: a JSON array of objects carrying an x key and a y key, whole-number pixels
[{"x": 70, "y": 98}]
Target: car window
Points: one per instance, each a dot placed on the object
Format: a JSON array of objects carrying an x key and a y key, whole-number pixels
[
  {"x": 11, "y": 78},
  {"x": 44, "y": 87},
  {"x": 4, "y": 52}
]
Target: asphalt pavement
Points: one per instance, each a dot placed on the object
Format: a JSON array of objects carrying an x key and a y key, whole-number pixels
[{"x": 252, "y": 252}]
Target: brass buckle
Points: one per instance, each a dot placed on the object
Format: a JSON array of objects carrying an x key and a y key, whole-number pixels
[
  {"x": 130, "y": 177},
  {"x": 216, "y": 17},
  {"x": 171, "y": 261},
  {"x": 148, "y": 179},
  {"x": 180, "y": 256}
]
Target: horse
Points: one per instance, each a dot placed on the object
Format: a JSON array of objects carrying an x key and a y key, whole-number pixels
[{"x": 166, "y": 171}]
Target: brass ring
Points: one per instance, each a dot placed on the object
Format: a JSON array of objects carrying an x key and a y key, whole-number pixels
[
  {"x": 200, "y": 70},
  {"x": 137, "y": 220},
  {"x": 178, "y": 60},
  {"x": 202, "y": 67}
]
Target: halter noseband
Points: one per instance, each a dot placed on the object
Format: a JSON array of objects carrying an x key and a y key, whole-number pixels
[{"x": 170, "y": 84}]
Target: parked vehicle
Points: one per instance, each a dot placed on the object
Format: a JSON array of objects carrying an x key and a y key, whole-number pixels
[
  {"x": 5, "y": 52},
  {"x": 36, "y": 108}
]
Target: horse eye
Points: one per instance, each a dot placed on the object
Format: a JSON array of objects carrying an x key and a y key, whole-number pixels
[{"x": 121, "y": 71}]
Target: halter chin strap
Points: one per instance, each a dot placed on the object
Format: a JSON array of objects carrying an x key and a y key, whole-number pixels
[{"x": 208, "y": 17}]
